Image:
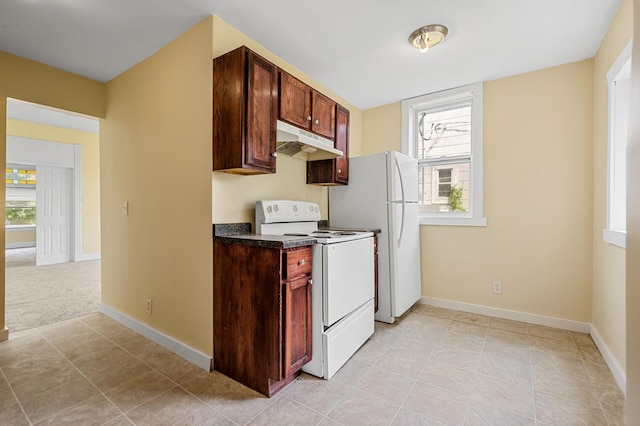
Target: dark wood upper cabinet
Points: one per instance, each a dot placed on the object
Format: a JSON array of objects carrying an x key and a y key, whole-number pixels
[
  {"x": 336, "y": 170},
  {"x": 306, "y": 108},
  {"x": 245, "y": 109}
]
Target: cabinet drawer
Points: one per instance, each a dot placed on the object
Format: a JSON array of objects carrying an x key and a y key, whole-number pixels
[{"x": 296, "y": 262}]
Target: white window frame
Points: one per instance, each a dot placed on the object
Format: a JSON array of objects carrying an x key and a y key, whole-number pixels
[
  {"x": 435, "y": 183},
  {"x": 409, "y": 130},
  {"x": 615, "y": 233}
]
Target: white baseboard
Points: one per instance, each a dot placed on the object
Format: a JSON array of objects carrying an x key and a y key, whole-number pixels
[
  {"x": 22, "y": 244},
  {"x": 618, "y": 372},
  {"x": 581, "y": 327},
  {"x": 88, "y": 256},
  {"x": 192, "y": 355}
]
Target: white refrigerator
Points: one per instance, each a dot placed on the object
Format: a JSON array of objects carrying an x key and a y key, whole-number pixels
[{"x": 383, "y": 194}]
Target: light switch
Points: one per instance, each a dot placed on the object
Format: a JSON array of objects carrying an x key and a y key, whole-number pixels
[{"x": 125, "y": 208}]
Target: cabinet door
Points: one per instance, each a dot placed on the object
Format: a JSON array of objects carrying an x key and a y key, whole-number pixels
[
  {"x": 342, "y": 143},
  {"x": 296, "y": 323},
  {"x": 295, "y": 101},
  {"x": 262, "y": 103},
  {"x": 323, "y": 116}
]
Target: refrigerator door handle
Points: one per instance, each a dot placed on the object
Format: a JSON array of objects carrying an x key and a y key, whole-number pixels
[{"x": 399, "y": 171}]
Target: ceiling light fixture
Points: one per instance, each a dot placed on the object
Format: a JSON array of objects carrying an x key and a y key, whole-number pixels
[{"x": 428, "y": 36}]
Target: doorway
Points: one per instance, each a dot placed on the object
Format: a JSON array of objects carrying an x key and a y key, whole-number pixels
[{"x": 62, "y": 148}]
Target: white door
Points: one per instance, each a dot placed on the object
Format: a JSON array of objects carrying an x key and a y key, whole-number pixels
[{"x": 53, "y": 215}]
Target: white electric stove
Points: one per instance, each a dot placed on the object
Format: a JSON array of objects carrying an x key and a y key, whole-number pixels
[{"x": 343, "y": 281}]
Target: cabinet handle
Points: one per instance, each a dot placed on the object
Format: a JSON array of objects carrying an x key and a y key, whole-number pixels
[
  {"x": 301, "y": 262},
  {"x": 310, "y": 281},
  {"x": 274, "y": 154},
  {"x": 339, "y": 170},
  {"x": 316, "y": 121},
  {"x": 309, "y": 118}
]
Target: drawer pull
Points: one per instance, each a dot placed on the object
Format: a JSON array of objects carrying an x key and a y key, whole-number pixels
[{"x": 301, "y": 262}]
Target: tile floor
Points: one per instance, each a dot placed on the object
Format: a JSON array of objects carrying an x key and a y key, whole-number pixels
[{"x": 432, "y": 367}]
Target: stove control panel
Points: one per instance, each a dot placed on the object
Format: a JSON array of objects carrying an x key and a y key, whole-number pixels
[{"x": 278, "y": 211}]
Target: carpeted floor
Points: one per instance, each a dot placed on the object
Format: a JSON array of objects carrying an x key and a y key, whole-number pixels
[{"x": 40, "y": 295}]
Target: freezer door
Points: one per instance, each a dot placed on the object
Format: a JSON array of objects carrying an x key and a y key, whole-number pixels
[
  {"x": 403, "y": 176},
  {"x": 404, "y": 254}
]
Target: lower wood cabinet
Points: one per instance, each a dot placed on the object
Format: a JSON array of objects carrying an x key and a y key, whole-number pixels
[{"x": 262, "y": 313}]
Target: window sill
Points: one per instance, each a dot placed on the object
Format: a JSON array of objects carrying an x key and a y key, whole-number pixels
[
  {"x": 453, "y": 221},
  {"x": 617, "y": 238},
  {"x": 19, "y": 227}
]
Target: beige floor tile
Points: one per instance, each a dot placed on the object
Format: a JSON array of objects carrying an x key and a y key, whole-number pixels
[
  {"x": 462, "y": 341},
  {"x": 599, "y": 373},
  {"x": 409, "y": 418},
  {"x": 437, "y": 404},
  {"x": 287, "y": 412},
  {"x": 119, "y": 373},
  {"x": 358, "y": 408},
  {"x": 548, "y": 332},
  {"x": 351, "y": 371},
  {"x": 511, "y": 338},
  {"x": 231, "y": 399},
  {"x": 582, "y": 339},
  {"x": 566, "y": 412},
  {"x": 372, "y": 351},
  {"x": 43, "y": 378},
  {"x": 13, "y": 416},
  {"x": 554, "y": 363},
  {"x": 615, "y": 419},
  {"x": 327, "y": 421},
  {"x": 178, "y": 369},
  {"x": 55, "y": 400},
  {"x": 95, "y": 411},
  {"x": 611, "y": 397},
  {"x": 6, "y": 396},
  {"x": 121, "y": 420},
  {"x": 204, "y": 416},
  {"x": 139, "y": 390},
  {"x": 385, "y": 384},
  {"x": 508, "y": 325},
  {"x": 166, "y": 409},
  {"x": 578, "y": 388},
  {"x": 506, "y": 396},
  {"x": 562, "y": 348},
  {"x": 419, "y": 348},
  {"x": 435, "y": 311},
  {"x": 591, "y": 354},
  {"x": 446, "y": 377},
  {"x": 464, "y": 329},
  {"x": 482, "y": 414},
  {"x": 456, "y": 357},
  {"x": 505, "y": 369},
  {"x": 318, "y": 394},
  {"x": 402, "y": 363},
  {"x": 516, "y": 353},
  {"x": 472, "y": 318}
]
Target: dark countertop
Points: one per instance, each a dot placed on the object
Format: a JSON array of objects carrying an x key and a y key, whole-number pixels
[{"x": 240, "y": 233}]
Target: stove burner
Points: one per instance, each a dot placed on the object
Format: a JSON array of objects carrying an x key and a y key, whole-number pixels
[
  {"x": 321, "y": 232},
  {"x": 345, "y": 233},
  {"x": 296, "y": 234}
]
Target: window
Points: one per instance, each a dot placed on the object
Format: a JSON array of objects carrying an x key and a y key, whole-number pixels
[
  {"x": 619, "y": 82},
  {"x": 20, "y": 203},
  {"x": 443, "y": 131}
]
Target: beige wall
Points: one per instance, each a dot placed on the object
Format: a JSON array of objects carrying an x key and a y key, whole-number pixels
[
  {"x": 608, "y": 316},
  {"x": 155, "y": 151},
  {"x": 30, "y": 81},
  {"x": 633, "y": 235},
  {"x": 90, "y": 172},
  {"x": 234, "y": 196},
  {"x": 20, "y": 236},
  {"x": 537, "y": 189}
]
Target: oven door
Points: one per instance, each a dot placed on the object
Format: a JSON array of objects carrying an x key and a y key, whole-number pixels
[{"x": 347, "y": 278}]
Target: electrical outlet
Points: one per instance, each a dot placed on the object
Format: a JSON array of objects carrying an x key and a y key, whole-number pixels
[
  {"x": 497, "y": 287},
  {"x": 85, "y": 246},
  {"x": 125, "y": 208},
  {"x": 149, "y": 306}
]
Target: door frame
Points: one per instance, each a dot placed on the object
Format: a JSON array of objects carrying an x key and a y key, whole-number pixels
[{"x": 46, "y": 153}]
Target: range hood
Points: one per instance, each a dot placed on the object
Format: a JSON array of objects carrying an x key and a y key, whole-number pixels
[{"x": 303, "y": 145}]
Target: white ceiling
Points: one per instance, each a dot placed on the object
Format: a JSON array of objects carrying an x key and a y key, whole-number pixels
[{"x": 357, "y": 48}]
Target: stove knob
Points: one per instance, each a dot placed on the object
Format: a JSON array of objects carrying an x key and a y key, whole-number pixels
[
  {"x": 295, "y": 208},
  {"x": 269, "y": 209},
  {"x": 275, "y": 208}
]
